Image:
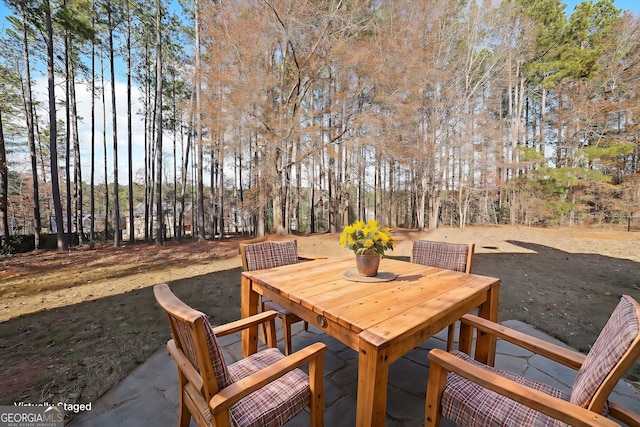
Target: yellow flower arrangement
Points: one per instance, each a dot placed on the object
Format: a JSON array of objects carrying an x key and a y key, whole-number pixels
[{"x": 367, "y": 238}]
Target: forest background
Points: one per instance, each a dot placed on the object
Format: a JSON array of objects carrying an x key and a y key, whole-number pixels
[{"x": 280, "y": 116}]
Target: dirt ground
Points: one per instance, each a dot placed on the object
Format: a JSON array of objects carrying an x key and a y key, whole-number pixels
[{"x": 72, "y": 324}]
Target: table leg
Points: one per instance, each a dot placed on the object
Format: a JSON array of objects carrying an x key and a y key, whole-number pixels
[
  {"x": 373, "y": 373},
  {"x": 486, "y": 343},
  {"x": 249, "y": 307},
  {"x": 465, "y": 338}
]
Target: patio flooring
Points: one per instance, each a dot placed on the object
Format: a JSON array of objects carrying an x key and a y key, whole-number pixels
[{"x": 148, "y": 396}]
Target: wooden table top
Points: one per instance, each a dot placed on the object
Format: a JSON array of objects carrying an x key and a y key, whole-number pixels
[{"x": 380, "y": 312}]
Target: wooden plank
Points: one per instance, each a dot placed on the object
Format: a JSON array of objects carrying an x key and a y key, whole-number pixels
[
  {"x": 292, "y": 278},
  {"x": 344, "y": 335},
  {"x": 416, "y": 325},
  {"x": 473, "y": 292},
  {"x": 378, "y": 307},
  {"x": 344, "y": 289},
  {"x": 411, "y": 293}
]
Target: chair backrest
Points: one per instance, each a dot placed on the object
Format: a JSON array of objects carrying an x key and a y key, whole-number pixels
[
  {"x": 193, "y": 335},
  {"x": 615, "y": 350},
  {"x": 258, "y": 256},
  {"x": 452, "y": 256}
]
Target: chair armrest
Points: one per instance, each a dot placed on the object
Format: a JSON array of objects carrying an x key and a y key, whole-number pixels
[
  {"x": 542, "y": 402},
  {"x": 624, "y": 414},
  {"x": 559, "y": 354},
  {"x": 185, "y": 366},
  {"x": 247, "y": 322},
  {"x": 236, "y": 391}
]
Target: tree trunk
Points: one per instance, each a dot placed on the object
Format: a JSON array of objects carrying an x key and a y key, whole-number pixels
[
  {"x": 92, "y": 208},
  {"x": 147, "y": 147},
  {"x": 274, "y": 174},
  {"x": 77, "y": 169},
  {"x": 114, "y": 116},
  {"x": 104, "y": 147},
  {"x": 198, "y": 87},
  {"x": 220, "y": 165},
  {"x": 185, "y": 172},
  {"x": 28, "y": 107},
  {"x": 277, "y": 205},
  {"x": 67, "y": 139},
  {"x": 174, "y": 226},
  {"x": 132, "y": 236},
  {"x": 53, "y": 134},
  {"x": 159, "y": 209},
  {"x": 4, "y": 190},
  {"x": 422, "y": 202}
]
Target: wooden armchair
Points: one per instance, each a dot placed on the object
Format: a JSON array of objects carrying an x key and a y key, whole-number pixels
[
  {"x": 452, "y": 256},
  {"x": 258, "y": 256},
  {"x": 265, "y": 389},
  {"x": 472, "y": 394}
]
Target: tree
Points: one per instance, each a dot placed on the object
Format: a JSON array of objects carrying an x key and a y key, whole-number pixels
[
  {"x": 129, "y": 24},
  {"x": 114, "y": 124},
  {"x": 53, "y": 132},
  {"x": 543, "y": 70},
  {"x": 159, "y": 209},
  {"x": 29, "y": 115},
  {"x": 4, "y": 169},
  {"x": 92, "y": 174}
]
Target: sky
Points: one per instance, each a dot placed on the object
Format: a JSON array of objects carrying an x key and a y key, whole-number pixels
[
  {"x": 632, "y": 5},
  {"x": 138, "y": 128}
]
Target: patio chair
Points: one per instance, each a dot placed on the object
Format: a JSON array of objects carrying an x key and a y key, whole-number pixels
[
  {"x": 452, "y": 256},
  {"x": 472, "y": 394},
  {"x": 258, "y": 256},
  {"x": 264, "y": 389}
]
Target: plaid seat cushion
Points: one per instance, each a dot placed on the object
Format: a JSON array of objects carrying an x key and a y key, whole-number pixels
[
  {"x": 451, "y": 256},
  {"x": 614, "y": 340},
  {"x": 469, "y": 404},
  {"x": 275, "y": 403},
  {"x": 271, "y": 254}
]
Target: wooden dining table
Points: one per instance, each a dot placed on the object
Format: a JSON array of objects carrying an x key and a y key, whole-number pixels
[{"x": 381, "y": 320}]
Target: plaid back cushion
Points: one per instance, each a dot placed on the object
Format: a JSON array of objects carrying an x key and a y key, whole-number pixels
[
  {"x": 452, "y": 256},
  {"x": 184, "y": 340},
  {"x": 271, "y": 254},
  {"x": 614, "y": 340},
  {"x": 223, "y": 377},
  {"x": 187, "y": 345}
]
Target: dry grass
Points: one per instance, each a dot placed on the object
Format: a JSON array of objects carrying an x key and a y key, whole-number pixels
[{"x": 88, "y": 318}]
